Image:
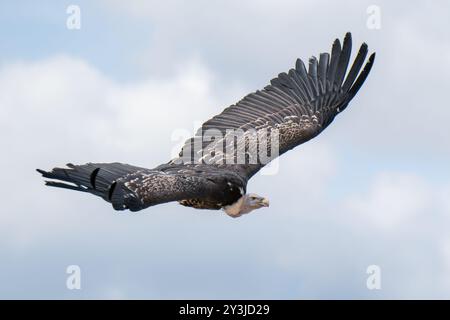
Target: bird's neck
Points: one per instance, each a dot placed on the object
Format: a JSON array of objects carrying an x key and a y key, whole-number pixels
[{"x": 235, "y": 209}]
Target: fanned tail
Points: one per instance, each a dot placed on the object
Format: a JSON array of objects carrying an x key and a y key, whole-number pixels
[{"x": 99, "y": 179}]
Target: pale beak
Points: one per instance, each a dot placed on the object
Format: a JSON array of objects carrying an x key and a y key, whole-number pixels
[{"x": 265, "y": 202}]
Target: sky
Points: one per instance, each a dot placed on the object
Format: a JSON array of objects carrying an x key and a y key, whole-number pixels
[{"x": 138, "y": 77}]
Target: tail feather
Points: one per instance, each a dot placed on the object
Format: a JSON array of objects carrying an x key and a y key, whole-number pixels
[
  {"x": 96, "y": 178},
  {"x": 64, "y": 186}
]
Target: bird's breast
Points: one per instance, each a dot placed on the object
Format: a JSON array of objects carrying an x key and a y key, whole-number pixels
[{"x": 221, "y": 192}]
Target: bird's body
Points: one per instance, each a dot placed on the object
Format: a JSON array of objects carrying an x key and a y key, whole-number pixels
[
  {"x": 219, "y": 186},
  {"x": 213, "y": 167}
]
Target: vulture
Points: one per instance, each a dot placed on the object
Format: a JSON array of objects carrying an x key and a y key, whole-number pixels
[{"x": 213, "y": 167}]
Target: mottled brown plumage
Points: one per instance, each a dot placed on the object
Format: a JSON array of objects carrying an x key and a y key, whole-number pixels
[{"x": 294, "y": 108}]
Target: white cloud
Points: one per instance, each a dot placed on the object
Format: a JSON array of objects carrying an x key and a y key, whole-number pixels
[
  {"x": 314, "y": 241},
  {"x": 400, "y": 108},
  {"x": 444, "y": 196},
  {"x": 63, "y": 110},
  {"x": 393, "y": 199}
]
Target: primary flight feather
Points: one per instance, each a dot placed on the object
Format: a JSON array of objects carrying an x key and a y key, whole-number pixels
[{"x": 214, "y": 166}]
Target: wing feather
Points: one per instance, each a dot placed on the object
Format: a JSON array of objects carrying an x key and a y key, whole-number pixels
[
  {"x": 298, "y": 104},
  {"x": 313, "y": 66}
]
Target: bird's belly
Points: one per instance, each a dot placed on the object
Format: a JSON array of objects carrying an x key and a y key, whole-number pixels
[
  {"x": 201, "y": 204},
  {"x": 226, "y": 196}
]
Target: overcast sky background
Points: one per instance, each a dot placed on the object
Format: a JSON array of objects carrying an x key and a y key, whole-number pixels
[{"x": 373, "y": 189}]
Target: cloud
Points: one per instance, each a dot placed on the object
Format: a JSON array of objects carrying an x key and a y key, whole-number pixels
[
  {"x": 62, "y": 109},
  {"x": 254, "y": 40},
  {"x": 393, "y": 199},
  {"x": 398, "y": 109},
  {"x": 372, "y": 189}
]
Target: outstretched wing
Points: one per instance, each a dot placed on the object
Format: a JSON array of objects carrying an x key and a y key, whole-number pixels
[
  {"x": 134, "y": 188},
  {"x": 294, "y": 108}
]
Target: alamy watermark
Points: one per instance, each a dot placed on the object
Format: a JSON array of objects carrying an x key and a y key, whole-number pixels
[
  {"x": 373, "y": 281},
  {"x": 73, "y": 281},
  {"x": 254, "y": 146},
  {"x": 374, "y": 19},
  {"x": 73, "y": 21}
]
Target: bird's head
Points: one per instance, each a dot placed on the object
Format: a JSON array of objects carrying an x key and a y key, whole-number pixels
[
  {"x": 245, "y": 204},
  {"x": 253, "y": 201}
]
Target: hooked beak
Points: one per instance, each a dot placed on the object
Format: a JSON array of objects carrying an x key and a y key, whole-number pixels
[{"x": 265, "y": 202}]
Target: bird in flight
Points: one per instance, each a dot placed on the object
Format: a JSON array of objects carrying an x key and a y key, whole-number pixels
[{"x": 213, "y": 168}]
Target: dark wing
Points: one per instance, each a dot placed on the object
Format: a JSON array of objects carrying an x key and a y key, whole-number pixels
[
  {"x": 297, "y": 106},
  {"x": 134, "y": 188}
]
